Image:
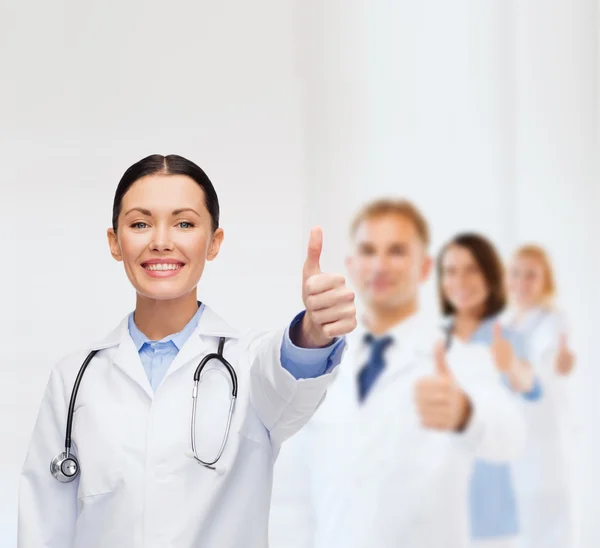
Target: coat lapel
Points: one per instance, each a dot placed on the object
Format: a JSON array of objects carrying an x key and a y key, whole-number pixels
[
  {"x": 126, "y": 356},
  {"x": 204, "y": 340}
]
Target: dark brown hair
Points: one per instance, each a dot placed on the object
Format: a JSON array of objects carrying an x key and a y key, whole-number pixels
[
  {"x": 487, "y": 258},
  {"x": 166, "y": 165}
]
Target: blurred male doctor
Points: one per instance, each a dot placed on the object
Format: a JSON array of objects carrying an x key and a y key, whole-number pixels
[{"x": 385, "y": 462}]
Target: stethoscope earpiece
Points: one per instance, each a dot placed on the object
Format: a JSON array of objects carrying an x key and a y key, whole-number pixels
[{"x": 64, "y": 467}]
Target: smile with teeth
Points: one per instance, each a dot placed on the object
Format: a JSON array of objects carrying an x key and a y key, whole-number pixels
[{"x": 163, "y": 266}]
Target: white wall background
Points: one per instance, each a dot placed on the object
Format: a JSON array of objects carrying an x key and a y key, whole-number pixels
[{"x": 484, "y": 112}]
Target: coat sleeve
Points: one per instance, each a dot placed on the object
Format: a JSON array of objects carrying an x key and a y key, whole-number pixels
[
  {"x": 47, "y": 508},
  {"x": 543, "y": 352},
  {"x": 284, "y": 403},
  {"x": 496, "y": 431}
]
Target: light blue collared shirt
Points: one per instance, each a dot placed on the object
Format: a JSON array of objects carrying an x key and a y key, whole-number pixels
[
  {"x": 493, "y": 505},
  {"x": 302, "y": 363}
]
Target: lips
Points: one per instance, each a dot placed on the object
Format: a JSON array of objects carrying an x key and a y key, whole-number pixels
[
  {"x": 461, "y": 298},
  {"x": 380, "y": 285},
  {"x": 165, "y": 268},
  {"x": 162, "y": 266}
]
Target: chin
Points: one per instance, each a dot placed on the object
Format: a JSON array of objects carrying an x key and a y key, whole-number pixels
[
  {"x": 386, "y": 301},
  {"x": 164, "y": 293},
  {"x": 465, "y": 307}
]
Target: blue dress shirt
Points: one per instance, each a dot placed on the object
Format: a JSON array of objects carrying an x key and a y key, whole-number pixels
[
  {"x": 492, "y": 501},
  {"x": 302, "y": 363}
]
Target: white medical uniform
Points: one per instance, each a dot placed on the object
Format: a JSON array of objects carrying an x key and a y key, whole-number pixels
[
  {"x": 366, "y": 476},
  {"x": 541, "y": 475},
  {"x": 138, "y": 487}
]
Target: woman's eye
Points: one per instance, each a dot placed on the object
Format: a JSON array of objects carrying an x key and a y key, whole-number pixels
[
  {"x": 139, "y": 225},
  {"x": 186, "y": 224}
]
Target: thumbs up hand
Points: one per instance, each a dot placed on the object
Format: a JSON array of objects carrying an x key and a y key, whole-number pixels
[
  {"x": 441, "y": 403},
  {"x": 329, "y": 303},
  {"x": 502, "y": 351},
  {"x": 565, "y": 359},
  {"x": 519, "y": 373}
]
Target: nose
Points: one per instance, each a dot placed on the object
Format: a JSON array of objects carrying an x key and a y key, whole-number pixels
[
  {"x": 380, "y": 262},
  {"x": 161, "y": 239},
  {"x": 462, "y": 278}
]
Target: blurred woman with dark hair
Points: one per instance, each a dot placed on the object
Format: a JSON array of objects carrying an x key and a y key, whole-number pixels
[{"x": 472, "y": 296}]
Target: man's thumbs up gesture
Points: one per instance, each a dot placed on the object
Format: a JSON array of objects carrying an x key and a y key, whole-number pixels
[
  {"x": 441, "y": 403},
  {"x": 330, "y": 310}
]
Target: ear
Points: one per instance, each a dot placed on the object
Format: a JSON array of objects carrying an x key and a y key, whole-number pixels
[
  {"x": 426, "y": 268},
  {"x": 113, "y": 244},
  {"x": 215, "y": 244},
  {"x": 348, "y": 263}
]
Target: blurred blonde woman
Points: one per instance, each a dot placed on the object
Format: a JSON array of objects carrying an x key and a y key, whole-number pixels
[{"x": 541, "y": 478}]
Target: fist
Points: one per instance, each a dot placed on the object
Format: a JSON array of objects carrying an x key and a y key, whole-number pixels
[
  {"x": 441, "y": 403},
  {"x": 565, "y": 360},
  {"x": 502, "y": 351},
  {"x": 330, "y": 309}
]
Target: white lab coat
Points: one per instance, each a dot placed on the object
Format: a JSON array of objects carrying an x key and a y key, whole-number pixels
[
  {"x": 138, "y": 488},
  {"x": 362, "y": 476},
  {"x": 541, "y": 476}
]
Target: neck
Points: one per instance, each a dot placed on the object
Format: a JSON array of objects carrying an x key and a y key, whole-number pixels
[
  {"x": 158, "y": 319},
  {"x": 524, "y": 309},
  {"x": 379, "y": 321},
  {"x": 520, "y": 311},
  {"x": 465, "y": 324}
]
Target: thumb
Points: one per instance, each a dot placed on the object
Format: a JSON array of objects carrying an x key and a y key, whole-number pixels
[
  {"x": 497, "y": 333},
  {"x": 562, "y": 343},
  {"x": 441, "y": 364},
  {"x": 313, "y": 255}
]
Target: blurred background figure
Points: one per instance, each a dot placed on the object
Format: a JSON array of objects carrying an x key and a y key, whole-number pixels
[
  {"x": 472, "y": 296},
  {"x": 388, "y": 456},
  {"x": 542, "y": 474}
]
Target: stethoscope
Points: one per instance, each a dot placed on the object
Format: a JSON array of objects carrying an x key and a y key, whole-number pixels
[{"x": 65, "y": 466}]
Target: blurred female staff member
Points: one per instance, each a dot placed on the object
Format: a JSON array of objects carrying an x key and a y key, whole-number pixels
[
  {"x": 472, "y": 295},
  {"x": 144, "y": 481},
  {"x": 541, "y": 474}
]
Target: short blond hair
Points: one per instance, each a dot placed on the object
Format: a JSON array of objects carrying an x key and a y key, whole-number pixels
[
  {"x": 398, "y": 206},
  {"x": 538, "y": 253}
]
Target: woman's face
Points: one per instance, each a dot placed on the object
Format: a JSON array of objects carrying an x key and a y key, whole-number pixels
[
  {"x": 463, "y": 284},
  {"x": 526, "y": 281},
  {"x": 164, "y": 236}
]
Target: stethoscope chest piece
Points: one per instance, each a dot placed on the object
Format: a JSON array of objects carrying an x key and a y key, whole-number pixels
[{"x": 64, "y": 467}]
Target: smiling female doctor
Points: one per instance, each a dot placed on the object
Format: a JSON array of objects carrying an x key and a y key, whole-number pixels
[{"x": 147, "y": 473}]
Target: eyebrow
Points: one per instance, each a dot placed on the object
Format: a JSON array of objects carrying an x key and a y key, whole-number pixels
[
  {"x": 149, "y": 213},
  {"x": 183, "y": 210}
]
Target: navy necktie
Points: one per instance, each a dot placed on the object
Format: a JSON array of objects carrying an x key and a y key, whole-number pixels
[{"x": 373, "y": 368}]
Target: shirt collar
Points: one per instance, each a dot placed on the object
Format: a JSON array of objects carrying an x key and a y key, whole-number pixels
[
  {"x": 414, "y": 331},
  {"x": 178, "y": 339},
  {"x": 485, "y": 330}
]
